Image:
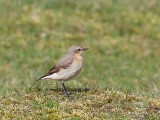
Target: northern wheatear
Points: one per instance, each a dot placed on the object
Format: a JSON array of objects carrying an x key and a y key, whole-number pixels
[{"x": 67, "y": 67}]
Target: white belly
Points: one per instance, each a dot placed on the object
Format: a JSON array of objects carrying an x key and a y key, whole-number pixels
[{"x": 68, "y": 73}]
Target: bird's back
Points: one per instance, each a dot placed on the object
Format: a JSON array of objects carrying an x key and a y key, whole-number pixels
[{"x": 66, "y": 60}]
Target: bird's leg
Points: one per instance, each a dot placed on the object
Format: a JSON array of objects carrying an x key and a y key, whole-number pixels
[{"x": 64, "y": 88}]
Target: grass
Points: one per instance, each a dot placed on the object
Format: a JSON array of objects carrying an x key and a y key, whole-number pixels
[
  {"x": 83, "y": 104},
  {"x": 123, "y": 37}
]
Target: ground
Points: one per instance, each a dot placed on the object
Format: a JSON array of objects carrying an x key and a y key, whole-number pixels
[
  {"x": 123, "y": 37},
  {"x": 82, "y": 104}
]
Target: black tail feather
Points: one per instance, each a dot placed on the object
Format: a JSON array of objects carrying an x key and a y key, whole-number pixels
[{"x": 40, "y": 78}]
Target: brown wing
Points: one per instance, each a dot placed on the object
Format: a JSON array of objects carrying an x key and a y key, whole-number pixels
[
  {"x": 63, "y": 63},
  {"x": 51, "y": 71}
]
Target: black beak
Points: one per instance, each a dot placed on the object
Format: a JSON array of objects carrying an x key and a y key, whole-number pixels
[{"x": 85, "y": 49}]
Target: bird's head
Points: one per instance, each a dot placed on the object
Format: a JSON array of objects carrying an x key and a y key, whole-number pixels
[{"x": 76, "y": 49}]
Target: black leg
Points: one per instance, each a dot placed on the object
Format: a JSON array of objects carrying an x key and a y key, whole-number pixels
[{"x": 65, "y": 91}]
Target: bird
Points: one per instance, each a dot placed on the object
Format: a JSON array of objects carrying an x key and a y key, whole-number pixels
[{"x": 67, "y": 67}]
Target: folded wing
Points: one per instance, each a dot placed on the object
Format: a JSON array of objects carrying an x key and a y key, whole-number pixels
[{"x": 63, "y": 63}]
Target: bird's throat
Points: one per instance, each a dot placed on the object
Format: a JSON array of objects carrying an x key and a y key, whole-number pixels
[{"x": 78, "y": 57}]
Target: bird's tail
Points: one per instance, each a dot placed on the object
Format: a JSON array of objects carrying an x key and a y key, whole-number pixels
[
  {"x": 38, "y": 79},
  {"x": 41, "y": 78}
]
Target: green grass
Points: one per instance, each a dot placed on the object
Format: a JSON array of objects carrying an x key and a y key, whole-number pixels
[
  {"x": 123, "y": 37},
  {"x": 93, "y": 104}
]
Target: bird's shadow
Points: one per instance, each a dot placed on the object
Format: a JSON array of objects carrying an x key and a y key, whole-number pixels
[{"x": 71, "y": 90}]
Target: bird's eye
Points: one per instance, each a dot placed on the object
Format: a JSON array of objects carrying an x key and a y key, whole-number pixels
[{"x": 79, "y": 49}]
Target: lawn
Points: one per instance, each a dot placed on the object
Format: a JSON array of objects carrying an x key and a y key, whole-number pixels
[
  {"x": 50, "y": 104},
  {"x": 123, "y": 37}
]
